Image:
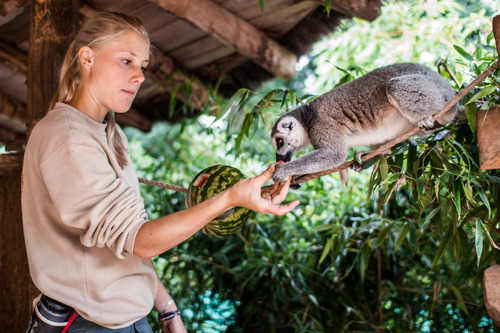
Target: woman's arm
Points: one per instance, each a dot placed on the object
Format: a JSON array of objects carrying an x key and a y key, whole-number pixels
[
  {"x": 159, "y": 235},
  {"x": 163, "y": 304}
]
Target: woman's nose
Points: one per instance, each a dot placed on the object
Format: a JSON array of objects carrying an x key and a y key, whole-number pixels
[{"x": 138, "y": 76}]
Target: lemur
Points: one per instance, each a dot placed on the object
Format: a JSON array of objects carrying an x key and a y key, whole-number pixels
[{"x": 370, "y": 110}]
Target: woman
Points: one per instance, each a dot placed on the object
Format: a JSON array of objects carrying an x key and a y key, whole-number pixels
[{"x": 88, "y": 238}]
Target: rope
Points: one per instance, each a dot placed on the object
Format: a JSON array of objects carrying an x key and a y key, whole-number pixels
[{"x": 163, "y": 185}]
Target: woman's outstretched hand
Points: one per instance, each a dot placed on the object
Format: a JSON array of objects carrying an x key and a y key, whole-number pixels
[{"x": 248, "y": 193}]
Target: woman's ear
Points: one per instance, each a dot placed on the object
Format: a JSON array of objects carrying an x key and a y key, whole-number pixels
[{"x": 86, "y": 57}]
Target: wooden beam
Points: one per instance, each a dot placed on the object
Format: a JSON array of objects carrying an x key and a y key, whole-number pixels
[
  {"x": 366, "y": 9},
  {"x": 10, "y": 162},
  {"x": 14, "y": 58},
  {"x": 236, "y": 33},
  {"x": 12, "y": 115},
  {"x": 6, "y": 137},
  {"x": 9, "y": 9},
  {"x": 12, "y": 123}
]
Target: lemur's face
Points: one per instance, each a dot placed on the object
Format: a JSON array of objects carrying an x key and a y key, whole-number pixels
[{"x": 288, "y": 136}]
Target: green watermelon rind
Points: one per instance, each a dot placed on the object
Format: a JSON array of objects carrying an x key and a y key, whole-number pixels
[{"x": 221, "y": 177}]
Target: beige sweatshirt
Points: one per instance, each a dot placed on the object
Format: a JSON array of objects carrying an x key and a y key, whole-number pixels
[{"x": 81, "y": 214}]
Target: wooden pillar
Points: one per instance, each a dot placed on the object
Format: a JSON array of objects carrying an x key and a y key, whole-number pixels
[
  {"x": 488, "y": 140},
  {"x": 53, "y": 24},
  {"x": 15, "y": 286}
]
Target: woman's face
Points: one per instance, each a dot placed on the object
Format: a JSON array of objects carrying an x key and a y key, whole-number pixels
[{"x": 117, "y": 72}]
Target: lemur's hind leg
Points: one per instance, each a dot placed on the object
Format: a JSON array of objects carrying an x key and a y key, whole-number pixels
[{"x": 418, "y": 97}]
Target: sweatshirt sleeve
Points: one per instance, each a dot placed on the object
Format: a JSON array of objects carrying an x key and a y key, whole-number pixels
[{"x": 88, "y": 195}]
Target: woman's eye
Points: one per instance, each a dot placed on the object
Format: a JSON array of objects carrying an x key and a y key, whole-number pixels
[{"x": 127, "y": 62}]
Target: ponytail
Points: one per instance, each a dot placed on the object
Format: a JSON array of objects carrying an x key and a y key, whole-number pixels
[
  {"x": 115, "y": 140},
  {"x": 69, "y": 78}
]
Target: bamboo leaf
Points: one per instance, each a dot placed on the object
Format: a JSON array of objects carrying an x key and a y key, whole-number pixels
[
  {"x": 459, "y": 297},
  {"x": 245, "y": 130},
  {"x": 327, "y": 248},
  {"x": 261, "y": 5},
  {"x": 229, "y": 103},
  {"x": 411, "y": 157},
  {"x": 492, "y": 242},
  {"x": 334, "y": 228},
  {"x": 373, "y": 181},
  {"x": 478, "y": 241},
  {"x": 485, "y": 200},
  {"x": 328, "y": 6},
  {"x": 384, "y": 172},
  {"x": 432, "y": 214},
  {"x": 392, "y": 186},
  {"x": 264, "y": 103},
  {"x": 468, "y": 191},
  {"x": 443, "y": 246},
  {"x": 463, "y": 53},
  {"x": 365, "y": 258},
  {"x": 402, "y": 237},
  {"x": 471, "y": 111},
  {"x": 284, "y": 99},
  {"x": 457, "y": 197},
  {"x": 487, "y": 90},
  {"x": 351, "y": 267},
  {"x": 383, "y": 234},
  {"x": 493, "y": 178},
  {"x": 313, "y": 299},
  {"x": 413, "y": 235}
]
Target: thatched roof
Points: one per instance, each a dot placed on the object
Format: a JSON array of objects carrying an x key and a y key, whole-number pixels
[{"x": 196, "y": 44}]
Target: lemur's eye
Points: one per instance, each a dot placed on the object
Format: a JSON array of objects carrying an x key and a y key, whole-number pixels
[{"x": 279, "y": 143}]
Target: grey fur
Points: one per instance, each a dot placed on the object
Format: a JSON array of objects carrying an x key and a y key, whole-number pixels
[{"x": 370, "y": 110}]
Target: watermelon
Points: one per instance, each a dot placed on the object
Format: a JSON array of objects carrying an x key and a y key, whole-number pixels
[{"x": 208, "y": 183}]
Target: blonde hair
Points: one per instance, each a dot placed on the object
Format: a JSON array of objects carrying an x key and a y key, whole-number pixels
[{"x": 95, "y": 33}]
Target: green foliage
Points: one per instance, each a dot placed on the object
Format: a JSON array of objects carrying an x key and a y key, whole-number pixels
[{"x": 402, "y": 248}]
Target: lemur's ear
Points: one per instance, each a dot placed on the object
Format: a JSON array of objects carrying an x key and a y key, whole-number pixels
[{"x": 288, "y": 125}]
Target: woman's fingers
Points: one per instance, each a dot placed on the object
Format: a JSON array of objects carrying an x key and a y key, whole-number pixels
[{"x": 283, "y": 209}]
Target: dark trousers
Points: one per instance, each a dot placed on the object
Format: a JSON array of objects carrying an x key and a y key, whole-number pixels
[{"x": 81, "y": 325}]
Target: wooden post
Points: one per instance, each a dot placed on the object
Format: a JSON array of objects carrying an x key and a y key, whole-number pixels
[
  {"x": 491, "y": 292},
  {"x": 14, "y": 274},
  {"x": 53, "y": 24},
  {"x": 488, "y": 123},
  {"x": 488, "y": 138}
]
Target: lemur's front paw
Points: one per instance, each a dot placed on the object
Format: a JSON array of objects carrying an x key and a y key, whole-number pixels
[{"x": 280, "y": 175}]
